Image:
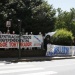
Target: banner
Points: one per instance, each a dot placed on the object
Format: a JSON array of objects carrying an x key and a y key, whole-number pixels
[
  {"x": 56, "y": 50},
  {"x": 37, "y": 40},
  {"x": 12, "y": 41}
]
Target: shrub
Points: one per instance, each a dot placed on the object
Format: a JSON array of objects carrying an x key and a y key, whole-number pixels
[{"x": 62, "y": 37}]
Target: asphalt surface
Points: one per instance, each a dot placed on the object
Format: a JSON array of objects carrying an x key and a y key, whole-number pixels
[{"x": 53, "y": 67}]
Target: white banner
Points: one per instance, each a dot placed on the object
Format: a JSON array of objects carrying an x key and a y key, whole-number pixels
[
  {"x": 12, "y": 41},
  {"x": 37, "y": 40}
]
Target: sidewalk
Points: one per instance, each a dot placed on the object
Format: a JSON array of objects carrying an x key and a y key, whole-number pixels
[{"x": 26, "y": 59}]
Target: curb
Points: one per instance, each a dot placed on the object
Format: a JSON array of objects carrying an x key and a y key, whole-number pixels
[
  {"x": 33, "y": 59},
  {"x": 41, "y": 59},
  {"x": 30, "y": 59},
  {"x": 60, "y": 58}
]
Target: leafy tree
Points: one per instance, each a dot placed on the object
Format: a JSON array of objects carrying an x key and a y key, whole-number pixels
[
  {"x": 65, "y": 20},
  {"x": 36, "y": 15},
  {"x": 2, "y": 13},
  {"x": 43, "y": 15}
]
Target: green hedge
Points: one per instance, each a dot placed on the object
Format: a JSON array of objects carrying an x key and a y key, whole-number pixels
[{"x": 62, "y": 37}]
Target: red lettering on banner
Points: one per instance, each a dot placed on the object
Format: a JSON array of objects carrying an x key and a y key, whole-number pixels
[
  {"x": 3, "y": 44},
  {"x": 13, "y": 44},
  {"x": 26, "y": 44}
]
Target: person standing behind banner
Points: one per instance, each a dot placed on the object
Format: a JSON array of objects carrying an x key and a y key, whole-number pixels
[
  {"x": 5, "y": 41},
  {"x": 13, "y": 32},
  {"x": 26, "y": 35},
  {"x": 8, "y": 32},
  {"x": 41, "y": 41},
  {"x": 40, "y": 33},
  {"x": 0, "y": 32},
  {"x": 31, "y": 33},
  {"x": 4, "y": 33}
]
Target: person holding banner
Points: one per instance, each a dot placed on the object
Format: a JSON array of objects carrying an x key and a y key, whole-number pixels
[
  {"x": 26, "y": 47},
  {"x": 8, "y": 32},
  {"x": 14, "y": 48},
  {"x": 31, "y": 33},
  {"x": 13, "y": 32},
  {"x": 0, "y": 32},
  {"x": 42, "y": 42},
  {"x": 26, "y": 33}
]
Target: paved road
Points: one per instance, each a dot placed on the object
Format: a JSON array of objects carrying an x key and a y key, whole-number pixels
[{"x": 54, "y": 67}]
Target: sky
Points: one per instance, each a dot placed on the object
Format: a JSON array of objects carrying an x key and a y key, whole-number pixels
[{"x": 65, "y": 5}]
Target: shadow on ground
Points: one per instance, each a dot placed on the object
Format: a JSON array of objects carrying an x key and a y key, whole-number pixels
[{"x": 26, "y": 59}]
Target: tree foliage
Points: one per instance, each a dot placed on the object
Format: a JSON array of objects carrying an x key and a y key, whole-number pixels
[
  {"x": 66, "y": 20},
  {"x": 62, "y": 37},
  {"x": 36, "y": 15}
]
